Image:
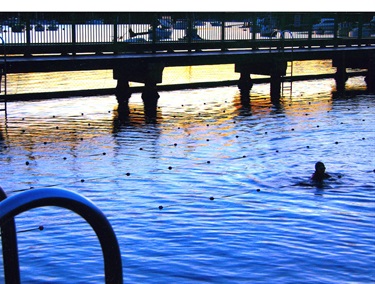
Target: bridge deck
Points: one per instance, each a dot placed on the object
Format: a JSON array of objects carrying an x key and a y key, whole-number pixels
[{"x": 22, "y": 64}]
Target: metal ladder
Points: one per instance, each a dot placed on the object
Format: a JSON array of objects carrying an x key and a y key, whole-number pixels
[
  {"x": 3, "y": 80},
  {"x": 287, "y": 80}
]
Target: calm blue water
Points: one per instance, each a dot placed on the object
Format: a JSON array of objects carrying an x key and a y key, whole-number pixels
[{"x": 266, "y": 223}]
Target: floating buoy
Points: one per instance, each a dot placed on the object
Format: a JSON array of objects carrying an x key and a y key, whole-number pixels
[
  {"x": 41, "y": 228},
  {"x": 208, "y": 162},
  {"x": 82, "y": 180},
  {"x": 104, "y": 153},
  {"x": 336, "y": 142},
  {"x": 128, "y": 174},
  {"x": 160, "y": 207},
  {"x": 175, "y": 144},
  {"x": 27, "y": 163},
  {"x": 258, "y": 189},
  {"x": 212, "y": 198},
  {"x": 169, "y": 168}
]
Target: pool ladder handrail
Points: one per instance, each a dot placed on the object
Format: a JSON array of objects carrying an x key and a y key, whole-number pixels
[
  {"x": 14, "y": 205},
  {"x": 3, "y": 73}
]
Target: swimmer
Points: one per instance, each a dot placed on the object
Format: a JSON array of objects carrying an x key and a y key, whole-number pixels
[{"x": 320, "y": 173}]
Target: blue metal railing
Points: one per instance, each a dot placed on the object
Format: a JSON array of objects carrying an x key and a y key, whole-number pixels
[
  {"x": 10, "y": 248},
  {"x": 14, "y": 205},
  {"x": 3, "y": 78}
]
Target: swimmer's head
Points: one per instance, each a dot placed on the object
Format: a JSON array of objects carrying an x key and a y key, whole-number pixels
[{"x": 319, "y": 167}]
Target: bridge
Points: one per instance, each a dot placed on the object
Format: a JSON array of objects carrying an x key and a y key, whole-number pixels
[{"x": 138, "y": 46}]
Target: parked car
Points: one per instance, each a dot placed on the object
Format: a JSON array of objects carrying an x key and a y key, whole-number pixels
[{"x": 326, "y": 25}]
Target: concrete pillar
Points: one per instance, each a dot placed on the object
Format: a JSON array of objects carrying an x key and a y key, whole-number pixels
[
  {"x": 245, "y": 83},
  {"x": 370, "y": 77},
  {"x": 341, "y": 77},
  {"x": 123, "y": 94},
  {"x": 148, "y": 73},
  {"x": 150, "y": 99},
  {"x": 275, "y": 88}
]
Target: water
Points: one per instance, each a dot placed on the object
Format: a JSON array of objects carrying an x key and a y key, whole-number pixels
[{"x": 265, "y": 221}]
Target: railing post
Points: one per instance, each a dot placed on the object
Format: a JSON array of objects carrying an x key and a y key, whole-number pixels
[
  {"x": 360, "y": 26},
  {"x": 74, "y": 35},
  {"x": 222, "y": 35},
  {"x": 10, "y": 249},
  {"x": 189, "y": 28},
  {"x": 154, "y": 26},
  {"x": 335, "y": 30},
  {"x": 309, "y": 37},
  {"x": 254, "y": 30},
  {"x": 115, "y": 31},
  {"x": 28, "y": 36}
]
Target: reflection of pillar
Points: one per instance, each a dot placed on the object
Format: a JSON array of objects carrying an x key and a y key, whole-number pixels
[
  {"x": 150, "y": 98},
  {"x": 123, "y": 94},
  {"x": 275, "y": 88},
  {"x": 370, "y": 76}
]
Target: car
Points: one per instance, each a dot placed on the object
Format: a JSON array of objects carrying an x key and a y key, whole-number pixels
[{"x": 326, "y": 25}]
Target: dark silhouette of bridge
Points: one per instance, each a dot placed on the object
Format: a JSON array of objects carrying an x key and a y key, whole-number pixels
[{"x": 138, "y": 46}]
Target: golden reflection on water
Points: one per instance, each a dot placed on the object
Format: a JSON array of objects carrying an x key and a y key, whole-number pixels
[
  {"x": 101, "y": 79},
  {"x": 74, "y": 120}
]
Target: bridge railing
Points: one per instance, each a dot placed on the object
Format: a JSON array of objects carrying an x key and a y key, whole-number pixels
[{"x": 154, "y": 31}]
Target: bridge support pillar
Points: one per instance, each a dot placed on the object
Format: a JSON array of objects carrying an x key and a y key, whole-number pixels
[
  {"x": 148, "y": 73},
  {"x": 150, "y": 99},
  {"x": 245, "y": 83},
  {"x": 275, "y": 88},
  {"x": 123, "y": 94},
  {"x": 370, "y": 77},
  {"x": 341, "y": 77},
  {"x": 275, "y": 68}
]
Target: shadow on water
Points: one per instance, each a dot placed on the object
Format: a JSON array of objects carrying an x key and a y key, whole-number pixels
[
  {"x": 249, "y": 104},
  {"x": 133, "y": 116}
]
